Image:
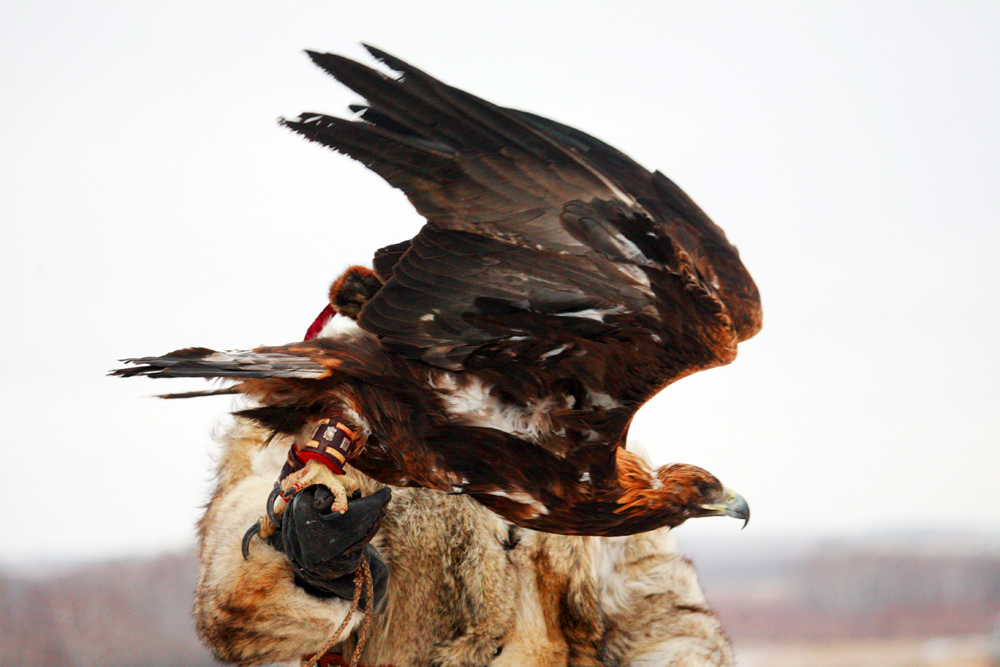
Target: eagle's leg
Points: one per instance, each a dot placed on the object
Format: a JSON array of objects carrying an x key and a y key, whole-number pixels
[
  {"x": 319, "y": 461},
  {"x": 341, "y": 486}
]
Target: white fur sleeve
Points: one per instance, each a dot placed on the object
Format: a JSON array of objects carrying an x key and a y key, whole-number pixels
[
  {"x": 656, "y": 611},
  {"x": 251, "y": 611}
]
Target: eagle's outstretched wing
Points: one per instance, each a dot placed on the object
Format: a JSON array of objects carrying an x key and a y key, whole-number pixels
[
  {"x": 556, "y": 286},
  {"x": 539, "y": 239}
]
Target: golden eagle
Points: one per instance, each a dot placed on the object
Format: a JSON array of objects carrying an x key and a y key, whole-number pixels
[{"x": 503, "y": 351}]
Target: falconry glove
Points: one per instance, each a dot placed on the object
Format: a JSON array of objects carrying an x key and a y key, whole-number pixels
[{"x": 325, "y": 548}]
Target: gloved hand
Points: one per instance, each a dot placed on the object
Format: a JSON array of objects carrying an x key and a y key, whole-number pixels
[{"x": 325, "y": 548}]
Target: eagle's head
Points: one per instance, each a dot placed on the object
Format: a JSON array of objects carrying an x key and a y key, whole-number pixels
[
  {"x": 672, "y": 494},
  {"x": 695, "y": 492}
]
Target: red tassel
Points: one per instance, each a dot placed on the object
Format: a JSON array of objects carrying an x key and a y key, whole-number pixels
[{"x": 320, "y": 322}]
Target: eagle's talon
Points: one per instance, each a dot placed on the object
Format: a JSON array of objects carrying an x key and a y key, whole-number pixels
[
  {"x": 267, "y": 524},
  {"x": 247, "y": 536},
  {"x": 272, "y": 498}
]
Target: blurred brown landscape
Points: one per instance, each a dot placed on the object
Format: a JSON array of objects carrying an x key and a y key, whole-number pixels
[
  {"x": 875, "y": 601},
  {"x": 882, "y": 602},
  {"x": 129, "y": 612}
]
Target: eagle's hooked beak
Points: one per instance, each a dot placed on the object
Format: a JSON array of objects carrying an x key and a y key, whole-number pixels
[{"x": 731, "y": 504}]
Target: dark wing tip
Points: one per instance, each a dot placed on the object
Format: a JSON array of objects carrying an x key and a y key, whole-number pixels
[
  {"x": 128, "y": 372},
  {"x": 348, "y": 72},
  {"x": 319, "y": 57},
  {"x": 305, "y": 119},
  {"x": 390, "y": 61}
]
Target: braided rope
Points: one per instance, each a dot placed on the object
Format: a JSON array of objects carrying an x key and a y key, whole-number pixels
[
  {"x": 366, "y": 625},
  {"x": 362, "y": 581}
]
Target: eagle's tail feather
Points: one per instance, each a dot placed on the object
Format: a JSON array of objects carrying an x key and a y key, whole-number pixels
[
  {"x": 205, "y": 363},
  {"x": 225, "y": 391}
]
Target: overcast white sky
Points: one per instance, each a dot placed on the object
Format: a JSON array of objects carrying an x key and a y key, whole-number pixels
[{"x": 851, "y": 150}]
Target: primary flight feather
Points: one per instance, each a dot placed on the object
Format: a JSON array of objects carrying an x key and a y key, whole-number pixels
[{"x": 503, "y": 351}]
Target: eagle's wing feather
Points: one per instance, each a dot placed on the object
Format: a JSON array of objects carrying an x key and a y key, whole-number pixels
[
  {"x": 674, "y": 211},
  {"x": 464, "y": 163},
  {"x": 454, "y": 292},
  {"x": 537, "y": 234}
]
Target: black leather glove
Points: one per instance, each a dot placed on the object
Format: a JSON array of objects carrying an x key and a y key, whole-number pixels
[{"x": 325, "y": 548}]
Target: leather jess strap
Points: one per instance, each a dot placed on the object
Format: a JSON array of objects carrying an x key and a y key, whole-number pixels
[{"x": 330, "y": 445}]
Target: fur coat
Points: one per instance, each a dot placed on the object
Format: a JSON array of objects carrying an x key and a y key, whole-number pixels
[{"x": 467, "y": 589}]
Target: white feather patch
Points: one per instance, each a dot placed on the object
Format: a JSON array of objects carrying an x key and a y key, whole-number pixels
[
  {"x": 593, "y": 313},
  {"x": 338, "y": 324},
  {"x": 522, "y": 498},
  {"x": 472, "y": 404}
]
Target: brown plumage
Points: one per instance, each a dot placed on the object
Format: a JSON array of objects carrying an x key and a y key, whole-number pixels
[
  {"x": 556, "y": 287},
  {"x": 353, "y": 289}
]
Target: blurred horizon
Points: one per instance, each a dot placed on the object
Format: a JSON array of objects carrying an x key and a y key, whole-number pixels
[
  {"x": 880, "y": 602},
  {"x": 709, "y": 544}
]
